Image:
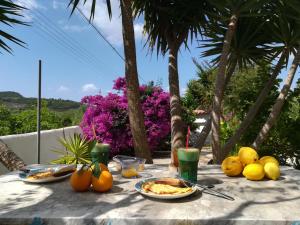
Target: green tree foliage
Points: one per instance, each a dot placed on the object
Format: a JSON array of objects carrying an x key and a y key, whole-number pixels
[
  {"x": 199, "y": 91},
  {"x": 284, "y": 136},
  {"x": 242, "y": 91},
  {"x": 6, "y": 121},
  {"x": 24, "y": 121}
]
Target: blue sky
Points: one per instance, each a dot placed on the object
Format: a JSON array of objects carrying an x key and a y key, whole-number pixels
[
  {"x": 76, "y": 61},
  {"x": 67, "y": 75}
]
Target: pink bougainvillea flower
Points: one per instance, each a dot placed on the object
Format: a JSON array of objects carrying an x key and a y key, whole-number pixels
[{"x": 108, "y": 114}]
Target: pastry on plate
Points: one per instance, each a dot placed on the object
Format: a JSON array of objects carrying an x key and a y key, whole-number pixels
[
  {"x": 41, "y": 175},
  {"x": 166, "y": 186}
]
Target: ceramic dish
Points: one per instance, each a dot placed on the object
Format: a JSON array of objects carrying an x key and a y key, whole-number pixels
[
  {"x": 139, "y": 188},
  {"x": 46, "y": 179}
]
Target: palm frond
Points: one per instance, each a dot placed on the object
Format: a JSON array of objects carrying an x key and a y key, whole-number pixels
[
  {"x": 9, "y": 14},
  {"x": 74, "y": 3},
  {"x": 168, "y": 21},
  {"x": 284, "y": 28},
  {"x": 249, "y": 44}
]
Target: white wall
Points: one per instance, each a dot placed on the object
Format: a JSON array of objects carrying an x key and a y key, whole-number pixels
[
  {"x": 25, "y": 145},
  {"x": 200, "y": 122}
]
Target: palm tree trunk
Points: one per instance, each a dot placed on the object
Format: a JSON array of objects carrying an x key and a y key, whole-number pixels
[
  {"x": 177, "y": 136},
  {"x": 255, "y": 107},
  {"x": 136, "y": 117},
  {"x": 276, "y": 109},
  {"x": 9, "y": 159},
  {"x": 229, "y": 73},
  {"x": 220, "y": 81}
]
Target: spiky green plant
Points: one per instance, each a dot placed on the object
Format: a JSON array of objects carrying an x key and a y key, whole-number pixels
[{"x": 77, "y": 150}]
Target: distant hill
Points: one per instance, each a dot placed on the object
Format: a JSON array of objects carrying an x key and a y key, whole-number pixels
[
  {"x": 10, "y": 94},
  {"x": 16, "y": 101}
]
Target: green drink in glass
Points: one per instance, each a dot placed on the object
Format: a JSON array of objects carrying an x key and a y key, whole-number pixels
[
  {"x": 100, "y": 153},
  {"x": 188, "y": 163}
]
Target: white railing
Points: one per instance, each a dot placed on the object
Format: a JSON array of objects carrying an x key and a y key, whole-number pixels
[{"x": 25, "y": 145}]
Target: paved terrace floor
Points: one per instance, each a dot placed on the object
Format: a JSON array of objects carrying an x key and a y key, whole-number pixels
[{"x": 261, "y": 203}]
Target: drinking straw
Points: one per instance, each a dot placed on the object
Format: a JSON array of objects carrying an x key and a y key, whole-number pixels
[{"x": 187, "y": 137}]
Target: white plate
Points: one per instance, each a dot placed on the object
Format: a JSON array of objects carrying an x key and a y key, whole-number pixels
[
  {"x": 45, "y": 180},
  {"x": 138, "y": 187},
  {"x": 38, "y": 167}
]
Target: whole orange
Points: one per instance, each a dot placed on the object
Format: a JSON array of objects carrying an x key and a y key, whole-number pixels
[
  {"x": 102, "y": 183},
  {"x": 81, "y": 180}
]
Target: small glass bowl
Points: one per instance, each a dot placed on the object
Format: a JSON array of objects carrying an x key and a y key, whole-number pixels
[
  {"x": 130, "y": 168},
  {"x": 141, "y": 161}
]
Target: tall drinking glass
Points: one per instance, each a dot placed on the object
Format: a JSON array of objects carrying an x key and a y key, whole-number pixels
[
  {"x": 188, "y": 163},
  {"x": 100, "y": 153}
]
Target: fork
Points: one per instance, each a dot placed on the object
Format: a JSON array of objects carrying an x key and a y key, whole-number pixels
[{"x": 210, "y": 191}]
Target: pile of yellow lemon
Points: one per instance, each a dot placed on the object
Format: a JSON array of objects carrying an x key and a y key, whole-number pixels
[{"x": 248, "y": 163}]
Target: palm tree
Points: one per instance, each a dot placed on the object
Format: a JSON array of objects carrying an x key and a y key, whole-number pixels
[
  {"x": 288, "y": 17},
  {"x": 219, "y": 87},
  {"x": 276, "y": 109},
  {"x": 247, "y": 48},
  {"x": 9, "y": 15},
  {"x": 232, "y": 10},
  {"x": 169, "y": 24},
  {"x": 136, "y": 117},
  {"x": 283, "y": 33}
]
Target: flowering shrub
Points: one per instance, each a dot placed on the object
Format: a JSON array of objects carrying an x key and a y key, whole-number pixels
[{"x": 108, "y": 117}]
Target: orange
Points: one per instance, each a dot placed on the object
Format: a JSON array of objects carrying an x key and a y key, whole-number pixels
[
  {"x": 81, "y": 180},
  {"x": 103, "y": 183}
]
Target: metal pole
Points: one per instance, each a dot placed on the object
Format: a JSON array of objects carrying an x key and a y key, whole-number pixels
[{"x": 39, "y": 113}]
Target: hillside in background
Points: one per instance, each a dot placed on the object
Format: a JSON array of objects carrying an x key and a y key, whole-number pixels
[
  {"x": 18, "y": 114},
  {"x": 15, "y": 101}
]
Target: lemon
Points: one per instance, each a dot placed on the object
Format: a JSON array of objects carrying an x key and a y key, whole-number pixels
[
  {"x": 232, "y": 166},
  {"x": 254, "y": 171},
  {"x": 266, "y": 159},
  {"x": 272, "y": 170},
  {"x": 247, "y": 155}
]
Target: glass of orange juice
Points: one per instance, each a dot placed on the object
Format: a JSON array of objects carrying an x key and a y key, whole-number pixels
[{"x": 130, "y": 168}]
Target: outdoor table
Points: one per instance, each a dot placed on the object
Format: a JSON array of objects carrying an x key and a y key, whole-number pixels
[{"x": 260, "y": 202}]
